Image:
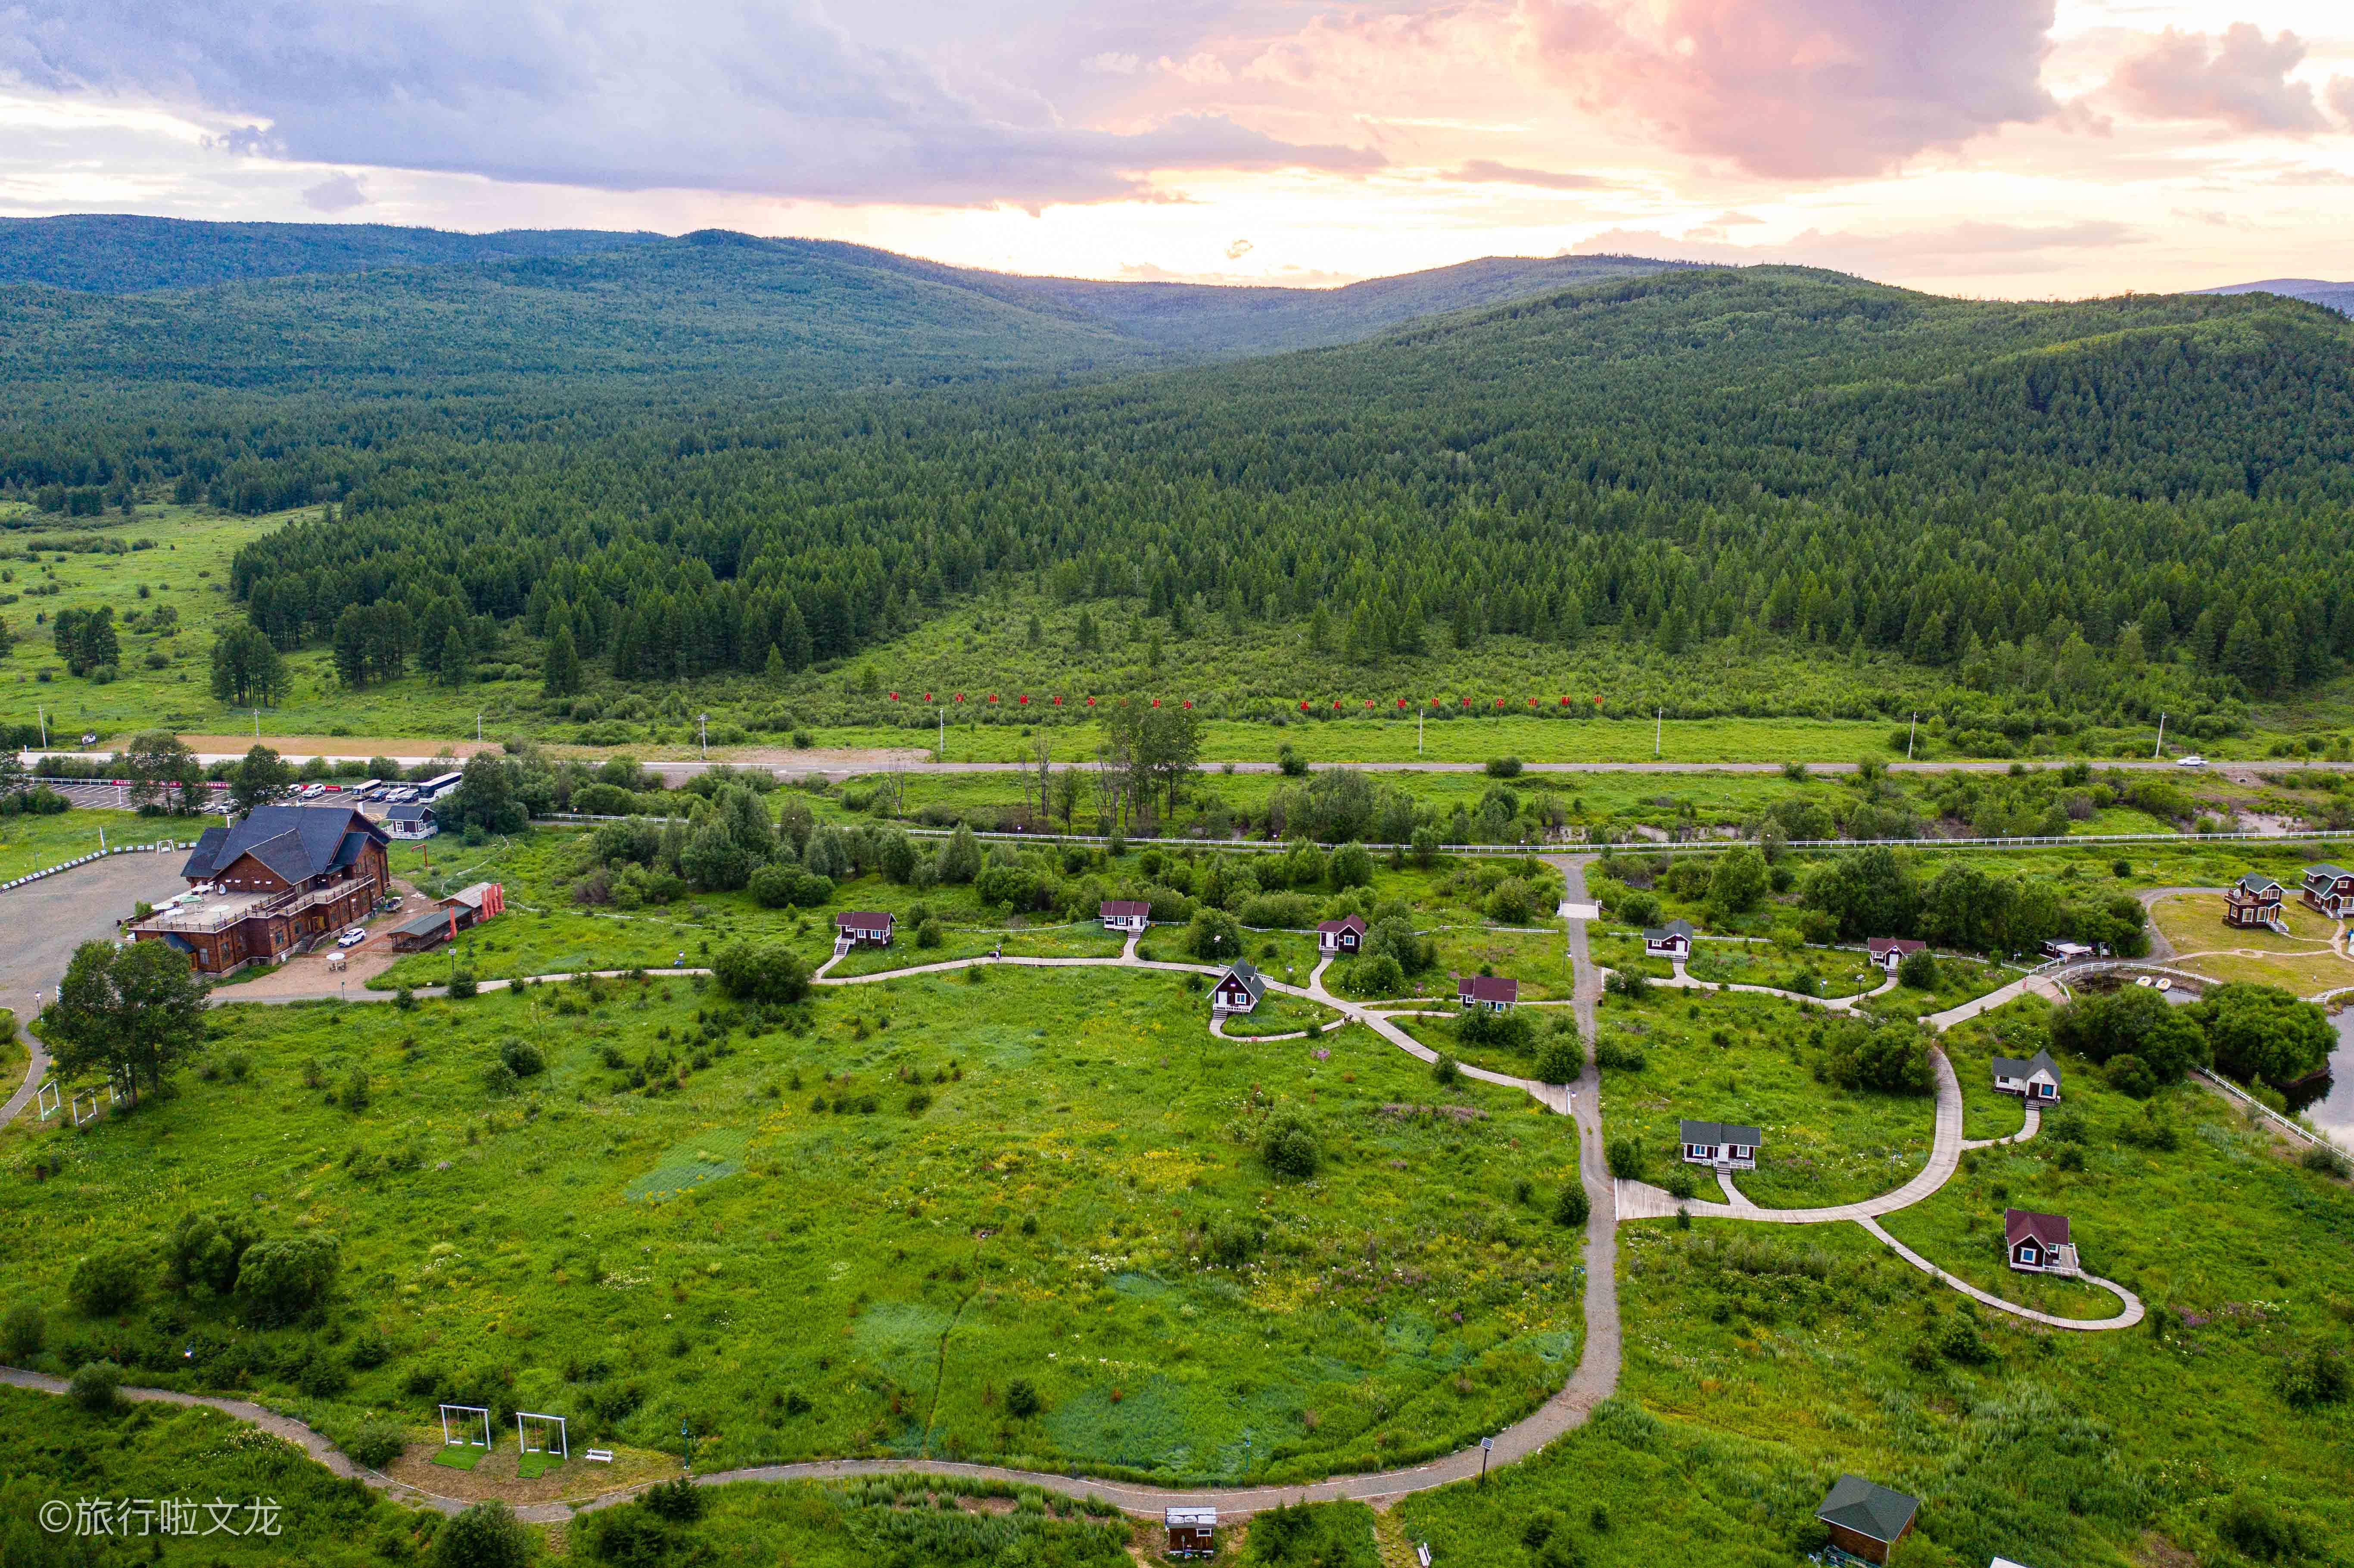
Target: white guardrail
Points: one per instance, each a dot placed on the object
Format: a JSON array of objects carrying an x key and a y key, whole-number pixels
[{"x": 160, "y": 846}]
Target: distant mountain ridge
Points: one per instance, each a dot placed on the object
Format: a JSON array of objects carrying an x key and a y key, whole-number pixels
[{"x": 2339, "y": 297}]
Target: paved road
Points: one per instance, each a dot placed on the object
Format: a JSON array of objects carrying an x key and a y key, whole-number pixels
[{"x": 47, "y": 920}]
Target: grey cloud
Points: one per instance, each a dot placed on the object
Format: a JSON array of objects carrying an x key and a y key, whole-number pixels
[
  {"x": 2341, "y": 99},
  {"x": 1802, "y": 89},
  {"x": 710, "y": 94},
  {"x": 2239, "y": 79},
  {"x": 337, "y": 193},
  {"x": 1481, "y": 171}
]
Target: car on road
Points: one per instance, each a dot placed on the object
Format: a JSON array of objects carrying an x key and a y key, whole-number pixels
[
  {"x": 352, "y": 938},
  {"x": 2193, "y": 760},
  {"x": 313, "y": 791},
  {"x": 90, "y": 737}
]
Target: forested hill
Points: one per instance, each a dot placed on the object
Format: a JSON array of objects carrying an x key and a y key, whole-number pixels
[
  {"x": 2095, "y": 507},
  {"x": 2339, "y": 297},
  {"x": 115, "y": 253}
]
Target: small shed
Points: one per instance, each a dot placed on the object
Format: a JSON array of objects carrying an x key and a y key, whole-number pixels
[
  {"x": 865, "y": 928},
  {"x": 2067, "y": 952},
  {"x": 1720, "y": 1145},
  {"x": 1192, "y": 1531},
  {"x": 1124, "y": 914},
  {"x": 2038, "y": 1244},
  {"x": 482, "y": 901},
  {"x": 2254, "y": 900},
  {"x": 1672, "y": 940},
  {"x": 1866, "y": 1521},
  {"x": 1344, "y": 936},
  {"x": 1888, "y": 952},
  {"x": 2037, "y": 1078},
  {"x": 440, "y": 924},
  {"x": 1492, "y": 993},
  {"x": 410, "y": 822},
  {"x": 1238, "y": 989}
]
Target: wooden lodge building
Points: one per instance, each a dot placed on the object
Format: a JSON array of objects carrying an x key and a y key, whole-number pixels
[
  {"x": 2036, "y": 1078},
  {"x": 2254, "y": 900},
  {"x": 863, "y": 927},
  {"x": 277, "y": 880},
  {"x": 2328, "y": 889}
]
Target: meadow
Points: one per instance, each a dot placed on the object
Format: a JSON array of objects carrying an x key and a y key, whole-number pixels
[
  {"x": 1751, "y": 1059},
  {"x": 29, "y": 842},
  {"x": 847, "y": 1230}
]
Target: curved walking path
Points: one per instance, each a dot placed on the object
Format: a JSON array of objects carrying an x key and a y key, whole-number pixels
[{"x": 2129, "y": 1313}]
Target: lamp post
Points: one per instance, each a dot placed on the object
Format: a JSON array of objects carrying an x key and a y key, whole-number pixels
[
  {"x": 703, "y": 734},
  {"x": 687, "y": 1436},
  {"x": 1486, "y": 1446}
]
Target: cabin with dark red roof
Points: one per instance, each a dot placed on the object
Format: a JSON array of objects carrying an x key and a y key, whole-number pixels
[
  {"x": 2038, "y": 1244},
  {"x": 863, "y": 927},
  {"x": 1341, "y": 937},
  {"x": 1496, "y": 993}
]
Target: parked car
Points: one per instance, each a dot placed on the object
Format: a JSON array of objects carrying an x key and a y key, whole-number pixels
[
  {"x": 2193, "y": 760},
  {"x": 352, "y": 938},
  {"x": 90, "y": 737},
  {"x": 313, "y": 791}
]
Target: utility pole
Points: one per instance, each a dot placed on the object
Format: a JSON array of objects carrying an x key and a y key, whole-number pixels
[
  {"x": 1659, "y": 728},
  {"x": 1909, "y": 734},
  {"x": 257, "y": 723},
  {"x": 2160, "y": 749},
  {"x": 703, "y": 734},
  {"x": 1418, "y": 732},
  {"x": 478, "y": 726},
  {"x": 44, "y": 715},
  {"x": 944, "y": 735}
]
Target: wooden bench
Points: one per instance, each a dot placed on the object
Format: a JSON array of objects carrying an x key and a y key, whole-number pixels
[{"x": 598, "y": 1455}]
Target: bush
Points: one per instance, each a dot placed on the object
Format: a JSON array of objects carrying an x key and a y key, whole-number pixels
[
  {"x": 23, "y": 1333},
  {"x": 205, "y": 1249},
  {"x": 929, "y": 933},
  {"x": 1625, "y": 1157},
  {"x": 1890, "y": 1057},
  {"x": 461, "y": 985},
  {"x": 1512, "y": 903},
  {"x": 679, "y": 1500},
  {"x": 1627, "y": 983},
  {"x": 1022, "y": 1400},
  {"x": 1288, "y": 1146},
  {"x": 1212, "y": 935},
  {"x": 1279, "y": 911},
  {"x": 486, "y": 1535},
  {"x": 2129, "y": 1074},
  {"x": 772, "y": 886},
  {"x": 376, "y": 1445},
  {"x": 1572, "y": 1207},
  {"x": 1446, "y": 1072},
  {"x": 108, "y": 1282},
  {"x": 2152, "y": 1129},
  {"x": 1918, "y": 970},
  {"x": 1505, "y": 1030},
  {"x": 522, "y": 1058},
  {"x": 2320, "y": 1159},
  {"x": 1681, "y": 1183},
  {"x": 2261, "y": 1529},
  {"x": 95, "y": 1386},
  {"x": 1503, "y": 768},
  {"x": 2315, "y": 1376},
  {"x": 1380, "y": 977},
  {"x": 761, "y": 971},
  {"x": 1619, "y": 1055},
  {"x": 1561, "y": 1059},
  {"x": 279, "y": 1281}
]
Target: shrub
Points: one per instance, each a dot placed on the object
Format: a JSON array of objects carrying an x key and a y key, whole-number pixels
[
  {"x": 1572, "y": 1207},
  {"x": 1503, "y": 768},
  {"x": 1212, "y": 935},
  {"x": 761, "y": 971},
  {"x": 1512, "y": 903},
  {"x": 2314, "y": 1376},
  {"x": 1918, "y": 970},
  {"x": 487, "y": 1535},
  {"x": 1626, "y": 1156},
  {"x": 1382, "y": 976},
  {"x": 772, "y": 886},
  {"x": 1562, "y": 1058},
  {"x": 376, "y": 1445},
  {"x": 23, "y": 1333},
  {"x": 1681, "y": 1183},
  {"x": 2129, "y": 1074},
  {"x": 2320, "y": 1159},
  {"x": 205, "y": 1249},
  {"x": 2261, "y": 1529},
  {"x": 405, "y": 999},
  {"x": 1446, "y": 1072},
  {"x": 108, "y": 1282},
  {"x": 2152, "y": 1129},
  {"x": 1506, "y": 1031},
  {"x": 1279, "y": 911},
  {"x": 278, "y": 1281},
  {"x": 679, "y": 1500},
  {"x": 1958, "y": 1339},
  {"x": 522, "y": 1058},
  {"x": 1891, "y": 1057},
  {"x": 95, "y": 1386},
  {"x": 357, "y": 1090},
  {"x": 1022, "y": 1400},
  {"x": 1627, "y": 983},
  {"x": 929, "y": 933},
  {"x": 1619, "y": 1055},
  {"x": 1288, "y": 1146},
  {"x": 461, "y": 985}
]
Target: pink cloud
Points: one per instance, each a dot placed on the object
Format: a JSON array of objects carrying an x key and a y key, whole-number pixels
[
  {"x": 1802, "y": 89},
  {"x": 1484, "y": 171},
  {"x": 2240, "y": 79},
  {"x": 1962, "y": 250}
]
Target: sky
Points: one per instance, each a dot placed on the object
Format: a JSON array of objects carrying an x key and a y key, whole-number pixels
[{"x": 2008, "y": 148}]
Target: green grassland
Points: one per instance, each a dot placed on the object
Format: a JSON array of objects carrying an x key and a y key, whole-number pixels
[
  {"x": 939, "y": 1187},
  {"x": 1732, "y": 1057},
  {"x": 28, "y": 843},
  {"x": 1834, "y": 972}
]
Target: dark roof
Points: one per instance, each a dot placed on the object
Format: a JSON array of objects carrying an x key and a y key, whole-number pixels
[
  {"x": 2325, "y": 869},
  {"x": 417, "y": 813},
  {"x": 470, "y": 896},
  {"x": 1488, "y": 988},
  {"x": 424, "y": 925},
  {"x": 2018, "y": 1224},
  {"x": 1872, "y": 1512},
  {"x": 862, "y": 919},
  {"x": 295, "y": 841},
  {"x": 1123, "y": 909},
  {"x": 1672, "y": 928},
  {"x": 2257, "y": 881},
  {"x": 1251, "y": 981},
  {"x": 1718, "y": 1132},
  {"x": 2012, "y": 1067},
  {"x": 1893, "y": 945},
  {"x": 1346, "y": 923}
]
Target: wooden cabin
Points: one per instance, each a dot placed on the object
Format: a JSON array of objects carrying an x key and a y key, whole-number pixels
[
  {"x": 1888, "y": 953},
  {"x": 2035, "y": 1080},
  {"x": 1238, "y": 989},
  {"x": 1192, "y": 1532},
  {"x": 2330, "y": 889},
  {"x": 1866, "y": 1522},
  {"x": 2038, "y": 1244},
  {"x": 1672, "y": 942},
  {"x": 1343, "y": 937},
  {"x": 863, "y": 927},
  {"x": 1720, "y": 1145},
  {"x": 1124, "y": 914},
  {"x": 1492, "y": 993},
  {"x": 2254, "y": 901}
]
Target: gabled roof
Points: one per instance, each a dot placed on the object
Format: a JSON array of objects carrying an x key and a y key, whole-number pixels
[
  {"x": 1488, "y": 988},
  {"x": 1123, "y": 909},
  {"x": 861, "y": 920},
  {"x": 1250, "y": 979},
  {"x": 471, "y": 897},
  {"x": 2257, "y": 881},
  {"x": 1872, "y": 1512},
  {"x": 1718, "y": 1132},
  {"x": 1672, "y": 928},
  {"x": 1346, "y": 923},
  {"x": 2012, "y": 1067},
  {"x": 2020, "y": 1225},
  {"x": 2334, "y": 872},
  {"x": 295, "y": 841},
  {"x": 416, "y": 814},
  {"x": 425, "y": 925},
  {"x": 1195, "y": 1517},
  {"x": 1878, "y": 945}
]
